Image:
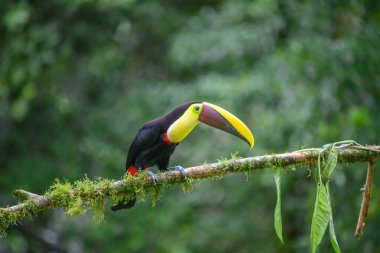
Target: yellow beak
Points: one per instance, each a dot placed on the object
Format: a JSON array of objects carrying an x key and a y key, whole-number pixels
[{"x": 220, "y": 118}]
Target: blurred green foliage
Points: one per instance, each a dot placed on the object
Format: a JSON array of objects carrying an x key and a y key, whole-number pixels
[{"x": 79, "y": 77}]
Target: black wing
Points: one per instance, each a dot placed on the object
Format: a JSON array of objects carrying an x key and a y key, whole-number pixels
[{"x": 147, "y": 136}]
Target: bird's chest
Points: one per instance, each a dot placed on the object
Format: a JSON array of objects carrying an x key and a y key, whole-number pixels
[
  {"x": 165, "y": 147},
  {"x": 157, "y": 154}
]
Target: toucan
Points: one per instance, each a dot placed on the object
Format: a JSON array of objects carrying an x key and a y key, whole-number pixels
[{"x": 156, "y": 140}]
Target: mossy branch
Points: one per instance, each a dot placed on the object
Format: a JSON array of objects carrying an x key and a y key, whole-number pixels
[{"x": 86, "y": 194}]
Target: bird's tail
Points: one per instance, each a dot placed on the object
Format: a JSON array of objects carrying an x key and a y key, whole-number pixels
[
  {"x": 130, "y": 203},
  {"x": 124, "y": 205}
]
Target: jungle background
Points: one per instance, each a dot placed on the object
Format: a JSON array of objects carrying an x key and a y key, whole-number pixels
[{"x": 79, "y": 77}]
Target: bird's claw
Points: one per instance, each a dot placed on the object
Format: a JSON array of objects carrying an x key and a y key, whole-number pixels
[
  {"x": 154, "y": 179},
  {"x": 182, "y": 170}
]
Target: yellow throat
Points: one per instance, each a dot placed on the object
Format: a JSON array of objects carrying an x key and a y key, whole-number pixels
[{"x": 185, "y": 124}]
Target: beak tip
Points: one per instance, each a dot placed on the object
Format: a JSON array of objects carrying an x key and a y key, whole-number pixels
[
  {"x": 217, "y": 117},
  {"x": 251, "y": 144}
]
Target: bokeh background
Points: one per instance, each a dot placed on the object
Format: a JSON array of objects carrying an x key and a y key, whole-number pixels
[{"x": 79, "y": 77}]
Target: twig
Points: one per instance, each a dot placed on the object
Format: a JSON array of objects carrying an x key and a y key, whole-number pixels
[{"x": 366, "y": 199}]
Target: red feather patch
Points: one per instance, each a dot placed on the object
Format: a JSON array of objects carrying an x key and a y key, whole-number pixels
[
  {"x": 167, "y": 140},
  {"x": 132, "y": 170}
]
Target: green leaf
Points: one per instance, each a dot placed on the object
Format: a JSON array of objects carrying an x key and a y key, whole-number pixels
[
  {"x": 320, "y": 217},
  {"x": 330, "y": 164},
  {"x": 333, "y": 240},
  {"x": 277, "y": 211}
]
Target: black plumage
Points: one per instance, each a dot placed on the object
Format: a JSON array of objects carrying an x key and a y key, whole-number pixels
[{"x": 151, "y": 147}]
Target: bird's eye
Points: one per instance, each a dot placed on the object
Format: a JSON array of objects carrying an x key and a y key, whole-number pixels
[{"x": 196, "y": 108}]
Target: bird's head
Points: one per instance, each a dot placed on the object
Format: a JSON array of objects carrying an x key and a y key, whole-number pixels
[{"x": 211, "y": 115}]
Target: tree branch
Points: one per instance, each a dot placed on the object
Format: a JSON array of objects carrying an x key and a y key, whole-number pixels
[{"x": 93, "y": 193}]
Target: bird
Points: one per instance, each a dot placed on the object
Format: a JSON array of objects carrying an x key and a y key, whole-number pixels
[{"x": 156, "y": 140}]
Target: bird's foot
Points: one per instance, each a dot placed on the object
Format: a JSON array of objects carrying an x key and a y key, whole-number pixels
[
  {"x": 154, "y": 179},
  {"x": 180, "y": 169}
]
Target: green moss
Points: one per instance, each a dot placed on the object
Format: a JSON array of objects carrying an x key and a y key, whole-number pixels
[
  {"x": 156, "y": 196},
  {"x": 98, "y": 211},
  {"x": 223, "y": 160},
  {"x": 137, "y": 186},
  {"x": 217, "y": 177},
  {"x": 7, "y": 219},
  {"x": 235, "y": 156},
  {"x": 83, "y": 195},
  {"x": 13, "y": 218},
  {"x": 188, "y": 185},
  {"x": 76, "y": 208},
  {"x": 62, "y": 193}
]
